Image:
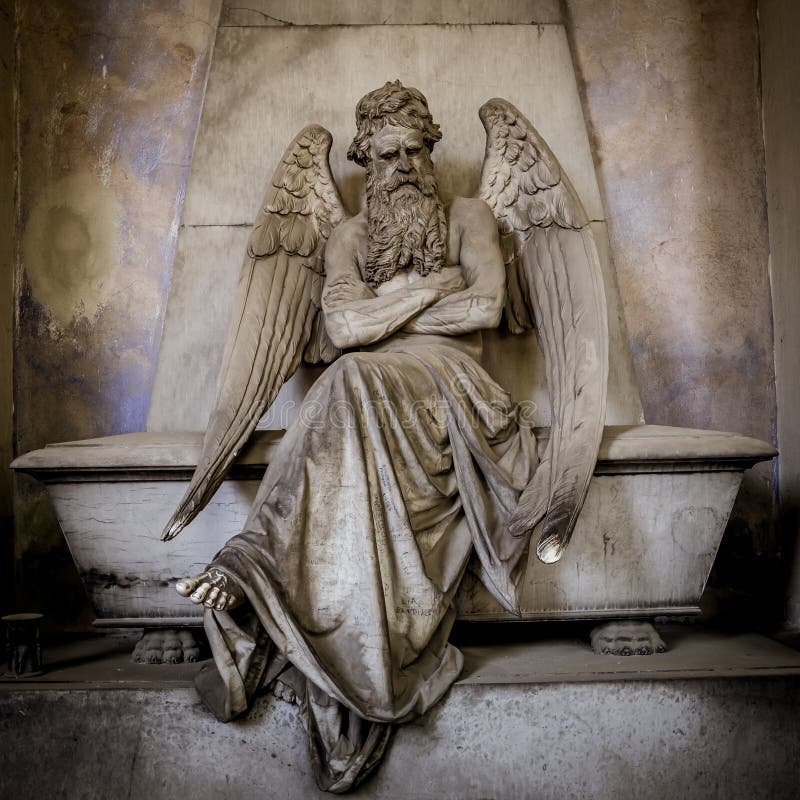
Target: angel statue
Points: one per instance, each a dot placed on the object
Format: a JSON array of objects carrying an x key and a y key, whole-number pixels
[{"x": 407, "y": 462}]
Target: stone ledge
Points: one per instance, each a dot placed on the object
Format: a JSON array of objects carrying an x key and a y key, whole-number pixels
[
  {"x": 731, "y": 738},
  {"x": 693, "y": 653},
  {"x": 623, "y": 448},
  {"x": 716, "y": 716}
]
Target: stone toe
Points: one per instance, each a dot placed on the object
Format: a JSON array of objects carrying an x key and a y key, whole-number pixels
[
  {"x": 199, "y": 594},
  {"x": 186, "y": 586},
  {"x": 211, "y": 597}
]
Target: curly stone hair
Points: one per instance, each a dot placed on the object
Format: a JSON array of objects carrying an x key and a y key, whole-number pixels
[{"x": 394, "y": 104}]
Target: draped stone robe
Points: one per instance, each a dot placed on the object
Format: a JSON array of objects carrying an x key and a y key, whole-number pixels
[{"x": 404, "y": 461}]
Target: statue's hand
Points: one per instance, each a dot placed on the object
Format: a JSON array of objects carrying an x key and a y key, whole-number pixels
[
  {"x": 345, "y": 289},
  {"x": 445, "y": 282}
]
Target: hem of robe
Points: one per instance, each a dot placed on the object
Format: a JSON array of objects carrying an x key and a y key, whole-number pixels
[{"x": 247, "y": 653}]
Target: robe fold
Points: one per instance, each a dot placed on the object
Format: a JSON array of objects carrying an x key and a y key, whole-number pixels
[{"x": 400, "y": 471}]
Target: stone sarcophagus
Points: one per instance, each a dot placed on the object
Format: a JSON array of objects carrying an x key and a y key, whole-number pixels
[{"x": 644, "y": 544}]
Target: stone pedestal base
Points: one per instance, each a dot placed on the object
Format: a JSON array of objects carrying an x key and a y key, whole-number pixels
[{"x": 712, "y": 717}]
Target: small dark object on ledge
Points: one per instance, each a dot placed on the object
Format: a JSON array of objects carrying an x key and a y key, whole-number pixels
[{"x": 23, "y": 645}]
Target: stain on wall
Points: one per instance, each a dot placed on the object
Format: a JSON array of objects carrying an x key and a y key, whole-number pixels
[
  {"x": 107, "y": 127},
  {"x": 110, "y": 99},
  {"x": 672, "y": 99}
]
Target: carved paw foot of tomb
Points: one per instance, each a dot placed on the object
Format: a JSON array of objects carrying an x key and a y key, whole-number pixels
[
  {"x": 627, "y": 639},
  {"x": 166, "y": 647}
]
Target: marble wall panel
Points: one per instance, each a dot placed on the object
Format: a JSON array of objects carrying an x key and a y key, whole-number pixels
[
  {"x": 267, "y": 82},
  {"x": 107, "y": 126},
  {"x": 672, "y": 99},
  {"x": 389, "y": 12},
  {"x": 673, "y": 106}
]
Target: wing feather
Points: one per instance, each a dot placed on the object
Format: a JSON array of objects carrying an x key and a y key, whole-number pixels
[
  {"x": 553, "y": 278},
  {"x": 277, "y": 310}
]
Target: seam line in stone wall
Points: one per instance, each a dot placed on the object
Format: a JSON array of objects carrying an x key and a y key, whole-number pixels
[
  {"x": 218, "y": 225},
  {"x": 392, "y": 25}
]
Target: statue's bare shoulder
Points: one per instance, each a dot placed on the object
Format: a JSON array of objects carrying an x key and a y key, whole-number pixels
[
  {"x": 473, "y": 234},
  {"x": 347, "y": 247},
  {"x": 472, "y": 213},
  {"x": 351, "y": 231}
]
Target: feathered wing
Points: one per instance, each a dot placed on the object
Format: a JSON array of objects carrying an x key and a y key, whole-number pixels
[
  {"x": 555, "y": 283},
  {"x": 277, "y": 317}
]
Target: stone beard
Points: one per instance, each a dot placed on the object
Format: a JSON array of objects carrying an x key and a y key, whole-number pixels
[{"x": 406, "y": 223}]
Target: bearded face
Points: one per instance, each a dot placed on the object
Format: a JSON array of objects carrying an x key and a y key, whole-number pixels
[{"x": 405, "y": 217}]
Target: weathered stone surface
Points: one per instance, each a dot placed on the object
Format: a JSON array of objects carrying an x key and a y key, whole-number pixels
[
  {"x": 672, "y": 101},
  {"x": 110, "y": 97},
  {"x": 673, "y": 110},
  {"x": 626, "y": 448},
  {"x": 128, "y": 572},
  {"x": 779, "y": 25},
  {"x": 679, "y": 738},
  {"x": 643, "y": 544},
  {"x": 388, "y": 12},
  {"x": 108, "y": 124}
]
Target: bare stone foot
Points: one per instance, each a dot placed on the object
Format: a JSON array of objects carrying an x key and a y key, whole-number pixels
[
  {"x": 213, "y": 588},
  {"x": 166, "y": 647},
  {"x": 627, "y": 639}
]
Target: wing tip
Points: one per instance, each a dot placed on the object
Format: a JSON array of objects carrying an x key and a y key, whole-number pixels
[
  {"x": 177, "y": 522},
  {"x": 551, "y": 547},
  {"x": 314, "y": 131},
  {"x": 524, "y": 520},
  {"x": 494, "y": 103},
  {"x": 492, "y": 106}
]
